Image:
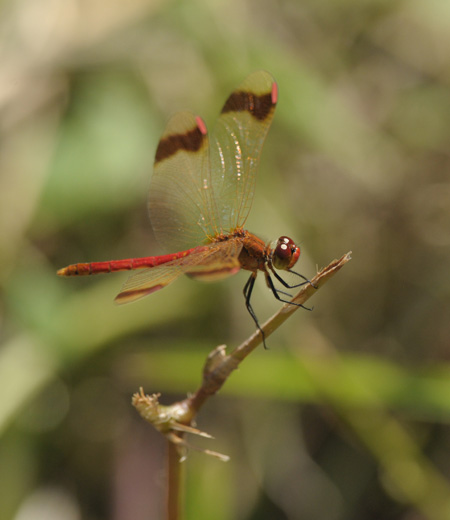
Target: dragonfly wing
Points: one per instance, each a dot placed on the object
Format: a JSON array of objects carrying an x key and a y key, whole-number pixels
[
  {"x": 146, "y": 281},
  {"x": 236, "y": 144},
  {"x": 199, "y": 190},
  {"x": 212, "y": 262},
  {"x": 179, "y": 201}
]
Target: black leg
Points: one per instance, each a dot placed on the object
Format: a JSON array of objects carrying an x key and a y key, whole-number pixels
[
  {"x": 279, "y": 291},
  {"x": 278, "y": 277},
  {"x": 248, "y": 289},
  {"x": 276, "y": 292}
]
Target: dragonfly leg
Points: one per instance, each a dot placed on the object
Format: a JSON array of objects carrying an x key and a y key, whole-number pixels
[
  {"x": 278, "y": 277},
  {"x": 276, "y": 292},
  {"x": 279, "y": 291},
  {"x": 248, "y": 289},
  {"x": 304, "y": 278}
]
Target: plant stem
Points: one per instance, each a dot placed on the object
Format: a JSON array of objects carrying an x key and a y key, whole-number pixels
[
  {"x": 175, "y": 471},
  {"x": 175, "y": 420}
]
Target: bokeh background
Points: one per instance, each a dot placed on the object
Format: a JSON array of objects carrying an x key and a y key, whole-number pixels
[{"x": 346, "y": 415}]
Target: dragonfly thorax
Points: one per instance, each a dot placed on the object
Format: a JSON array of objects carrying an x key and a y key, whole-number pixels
[{"x": 285, "y": 253}]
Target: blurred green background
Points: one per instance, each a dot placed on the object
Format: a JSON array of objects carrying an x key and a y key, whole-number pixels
[{"x": 346, "y": 416}]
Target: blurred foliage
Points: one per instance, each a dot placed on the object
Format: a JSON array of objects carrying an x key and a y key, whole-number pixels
[{"x": 346, "y": 416}]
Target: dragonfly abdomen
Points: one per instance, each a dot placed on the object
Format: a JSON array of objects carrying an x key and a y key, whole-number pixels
[{"x": 129, "y": 264}]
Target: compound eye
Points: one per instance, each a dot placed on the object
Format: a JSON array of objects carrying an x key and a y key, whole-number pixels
[{"x": 285, "y": 254}]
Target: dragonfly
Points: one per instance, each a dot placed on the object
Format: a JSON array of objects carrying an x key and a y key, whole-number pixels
[{"x": 200, "y": 196}]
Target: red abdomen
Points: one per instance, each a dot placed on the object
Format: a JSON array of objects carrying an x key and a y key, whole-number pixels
[{"x": 121, "y": 265}]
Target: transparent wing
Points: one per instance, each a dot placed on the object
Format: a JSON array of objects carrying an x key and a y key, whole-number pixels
[
  {"x": 199, "y": 191},
  {"x": 211, "y": 262},
  {"x": 179, "y": 198},
  {"x": 236, "y": 145},
  {"x": 142, "y": 283}
]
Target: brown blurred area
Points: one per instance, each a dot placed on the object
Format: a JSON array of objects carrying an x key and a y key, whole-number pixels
[{"x": 346, "y": 415}]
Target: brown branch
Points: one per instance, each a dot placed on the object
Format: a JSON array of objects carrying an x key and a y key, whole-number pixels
[
  {"x": 174, "y": 421},
  {"x": 174, "y": 482},
  {"x": 219, "y": 366}
]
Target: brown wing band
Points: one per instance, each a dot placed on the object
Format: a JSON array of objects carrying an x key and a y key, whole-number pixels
[
  {"x": 258, "y": 106},
  {"x": 190, "y": 141}
]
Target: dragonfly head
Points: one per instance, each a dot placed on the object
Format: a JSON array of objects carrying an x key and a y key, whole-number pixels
[{"x": 285, "y": 253}]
